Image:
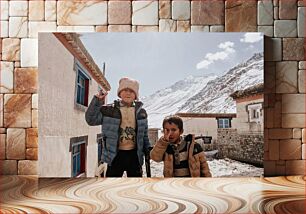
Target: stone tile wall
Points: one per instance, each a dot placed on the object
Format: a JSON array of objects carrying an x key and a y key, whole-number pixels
[{"x": 282, "y": 21}]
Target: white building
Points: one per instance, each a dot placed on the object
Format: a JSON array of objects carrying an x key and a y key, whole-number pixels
[
  {"x": 206, "y": 124},
  {"x": 68, "y": 79},
  {"x": 249, "y": 105}
]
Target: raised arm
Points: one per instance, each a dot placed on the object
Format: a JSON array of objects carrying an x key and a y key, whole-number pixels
[
  {"x": 159, "y": 149},
  {"x": 93, "y": 114}
]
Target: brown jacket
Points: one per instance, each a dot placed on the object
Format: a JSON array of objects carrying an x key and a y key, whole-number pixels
[{"x": 198, "y": 166}]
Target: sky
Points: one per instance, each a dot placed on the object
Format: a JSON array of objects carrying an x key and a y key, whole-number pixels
[{"x": 157, "y": 60}]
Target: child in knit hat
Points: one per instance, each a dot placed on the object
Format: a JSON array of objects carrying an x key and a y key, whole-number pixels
[
  {"x": 182, "y": 157},
  {"x": 124, "y": 129}
]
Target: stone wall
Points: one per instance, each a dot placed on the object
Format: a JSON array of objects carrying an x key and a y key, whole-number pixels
[
  {"x": 247, "y": 148},
  {"x": 282, "y": 21},
  {"x": 252, "y": 149},
  {"x": 226, "y": 141}
]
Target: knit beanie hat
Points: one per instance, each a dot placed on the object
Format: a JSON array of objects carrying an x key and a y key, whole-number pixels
[{"x": 126, "y": 82}]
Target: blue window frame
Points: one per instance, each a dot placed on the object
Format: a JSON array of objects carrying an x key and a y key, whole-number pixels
[
  {"x": 224, "y": 123},
  {"x": 76, "y": 160},
  {"x": 78, "y": 155},
  {"x": 81, "y": 89},
  {"x": 82, "y": 85}
]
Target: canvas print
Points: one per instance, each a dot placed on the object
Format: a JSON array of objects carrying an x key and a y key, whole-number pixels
[{"x": 212, "y": 82}]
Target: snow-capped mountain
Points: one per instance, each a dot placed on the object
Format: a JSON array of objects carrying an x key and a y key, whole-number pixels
[
  {"x": 169, "y": 100},
  {"x": 204, "y": 94},
  {"x": 214, "y": 97}
]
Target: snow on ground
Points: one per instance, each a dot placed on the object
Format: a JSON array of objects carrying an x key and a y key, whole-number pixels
[
  {"x": 218, "y": 168},
  {"x": 231, "y": 168}
]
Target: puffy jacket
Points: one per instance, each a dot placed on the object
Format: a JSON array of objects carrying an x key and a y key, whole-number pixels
[
  {"x": 198, "y": 166},
  {"x": 109, "y": 116}
]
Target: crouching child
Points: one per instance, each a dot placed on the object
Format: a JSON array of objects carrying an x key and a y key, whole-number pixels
[{"x": 182, "y": 157}]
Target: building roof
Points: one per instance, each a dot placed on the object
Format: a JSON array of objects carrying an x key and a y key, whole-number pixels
[
  {"x": 72, "y": 42},
  {"x": 206, "y": 115},
  {"x": 251, "y": 91}
]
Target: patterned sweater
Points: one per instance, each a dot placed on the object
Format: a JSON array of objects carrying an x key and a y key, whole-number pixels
[{"x": 127, "y": 139}]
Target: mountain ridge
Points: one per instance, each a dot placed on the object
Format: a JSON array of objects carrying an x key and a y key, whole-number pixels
[{"x": 204, "y": 94}]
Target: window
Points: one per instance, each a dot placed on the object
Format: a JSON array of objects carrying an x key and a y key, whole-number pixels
[
  {"x": 255, "y": 112},
  {"x": 224, "y": 123},
  {"x": 76, "y": 160},
  {"x": 82, "y": 86},
  {"x": 78, "y": 155}
]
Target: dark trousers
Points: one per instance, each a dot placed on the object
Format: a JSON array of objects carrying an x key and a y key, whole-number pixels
[{"x": 125, "y": 160}]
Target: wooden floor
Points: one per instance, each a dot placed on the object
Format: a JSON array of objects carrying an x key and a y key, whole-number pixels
[{"x": 154, "y": 195}]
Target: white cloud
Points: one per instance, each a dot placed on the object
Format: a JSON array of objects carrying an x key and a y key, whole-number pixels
[
  {"x": 225, "y": 45},
  {"x": 203, "y": 64},
  {"x": 251, "y": 37},
  {"x": 220, "y": 55}
]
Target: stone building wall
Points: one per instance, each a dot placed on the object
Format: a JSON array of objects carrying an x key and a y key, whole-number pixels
[
  {"x": 226, "y": 141},
  {"x": 282, "y": 21},
  {"x": 251, "y": 149},
  {"x": 247, "y": 148}
]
